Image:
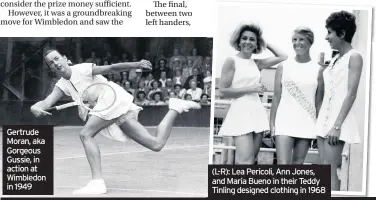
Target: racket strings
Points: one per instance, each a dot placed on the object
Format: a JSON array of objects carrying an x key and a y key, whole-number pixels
[{"x": 98, "y": 97}]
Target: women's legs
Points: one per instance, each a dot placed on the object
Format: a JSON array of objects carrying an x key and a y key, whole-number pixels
[
  {"x": 87, "y": 134},
  {"x": 245, "y": 151},
  {"x": 132, "y": 128},
  {"x": 300, "y": 151},
  {"x": 141, "y": 135},
  {"x": 332, "y": 155},
  {"x": 257, "y": 138},
  {"x": 284, "y": 145},
  {"x": 320, "y": 148}
]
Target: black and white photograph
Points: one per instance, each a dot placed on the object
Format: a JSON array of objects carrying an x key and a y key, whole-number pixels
[
  {"x": 131, "y": 116},
  {"x": 292, "y": 86}
]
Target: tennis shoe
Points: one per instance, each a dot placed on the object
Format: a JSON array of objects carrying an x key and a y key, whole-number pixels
[
  {"x": 93, "y": 187},
  {"x": 182, "y": 105}
]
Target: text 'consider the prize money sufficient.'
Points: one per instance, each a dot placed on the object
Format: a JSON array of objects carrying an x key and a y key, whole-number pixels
[{"x": 64, "y": 17}]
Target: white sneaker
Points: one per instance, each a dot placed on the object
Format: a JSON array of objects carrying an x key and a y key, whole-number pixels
[
  {"x": 93, "y": 187},
  {"x": 182, "y": 105}
]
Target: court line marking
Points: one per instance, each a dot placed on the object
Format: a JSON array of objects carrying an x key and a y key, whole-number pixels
[
  {"x": 141, "y": 190},
  {"x": 130, "y": 152}
]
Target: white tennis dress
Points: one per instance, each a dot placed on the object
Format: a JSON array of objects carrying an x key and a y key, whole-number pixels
[
  {"x": 81, "y": 78},
  {"x": 336, "y": 88},
  {"x": 247, "y": 113},
  {"x": 296, "y": 114}
]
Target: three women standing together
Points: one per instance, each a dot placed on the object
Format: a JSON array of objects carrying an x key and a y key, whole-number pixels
[{"x": 311, "y": 101}]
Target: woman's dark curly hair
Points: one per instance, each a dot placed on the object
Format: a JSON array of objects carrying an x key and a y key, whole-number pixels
[
  {"x": 342, "y": 21},
  {"x": 235, "y": 38}
]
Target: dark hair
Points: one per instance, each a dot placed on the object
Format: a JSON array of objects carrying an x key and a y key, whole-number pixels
[
  {"x": 139, "y": 93},
  {"x": 49, "y": 51},
  {"x": 159, "y": 83},
  {"x": 159, "y": 61},
  {"x": 342, "y": 21},
  {"x": 186, "y": 95},
  {"x": 204, "y": 95},
  {"x": 178, "y": 85},
  {"x": 155, "y": 93},
  {"x": 235, "y": 38}
]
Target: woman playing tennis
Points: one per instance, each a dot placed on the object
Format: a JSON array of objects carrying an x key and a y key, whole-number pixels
[{"x": 122, "y": 112}]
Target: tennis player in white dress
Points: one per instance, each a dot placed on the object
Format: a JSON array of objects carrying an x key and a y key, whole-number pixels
[
  {"x": 293, "y": 113},
  {"x": 246, "y": 119},
  {"x": 336, "y": 123},
  {"x": 118, "y": 122}
]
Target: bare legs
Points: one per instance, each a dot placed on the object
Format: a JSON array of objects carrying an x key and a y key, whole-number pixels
[
  {"x": 247, "y": 148},
  {"x": 87, "y": 134},
  {"x": 291, "y": 150},
  {"x": 140, "y": 134},
  {"x": 331, "y": 155}
]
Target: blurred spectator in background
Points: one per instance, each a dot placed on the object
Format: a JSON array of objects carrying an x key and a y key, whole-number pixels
[
  {"x": 163, "y": 78},
  {"x": 149, "y": 80},
  {"x": 128, "y": 87},
  {"x": 111, "y": 77},
  {"x": 157, "y": 99},
  {"x": 140, "y": 99},
  {"x": 124, "y": 77},
  {"x": 178, "y": 78},
  {"x": 161, "y": 67},
  {"x": 204, "y": 99},
  {"x": 94, "y": 59},
  {"x": 170, "y": 95},
  {"x": 188, "y": 97},
  {"x": 179, "y": 90},
  {"x": 177, "y": 58},
  {"x": 141, "y": 87},
  {"x": 169, "y": 87},
  {"x": 195, "y": 76},
  {"x": 196, "y": 59},
  {"x": 207, "y": 83},
  {"x": 136, "y": 80},
  {"x": 156, "y": 87},
  {"x": 207, "y": 65},
  {"x": 176, "y": 64},
  {"x": 124, "y": 57},
  {"x": 107, "y": 60},
  {"x": 194, "y": 91}
]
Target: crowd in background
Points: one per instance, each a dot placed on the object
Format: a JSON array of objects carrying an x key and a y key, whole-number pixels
[{"x": 179, "y": 76}]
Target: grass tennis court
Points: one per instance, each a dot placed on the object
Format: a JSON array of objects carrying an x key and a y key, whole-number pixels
[{"x": 131, "y": 170}]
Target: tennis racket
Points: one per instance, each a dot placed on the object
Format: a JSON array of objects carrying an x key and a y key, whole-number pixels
[{"x": 96, "y": 97}]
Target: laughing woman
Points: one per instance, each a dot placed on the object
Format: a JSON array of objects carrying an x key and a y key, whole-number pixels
[
  {"x": 246, "y": 119},
  {"x": 336, "y": 123},
  {"x": 293, "y": 113}
]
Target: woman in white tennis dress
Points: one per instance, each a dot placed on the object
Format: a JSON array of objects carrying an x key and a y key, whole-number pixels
[
  {"x": 336, "y": 123},
  {"x": 293, "y": 113},
  {"x": 246, "y": 119},
  {"x": 121, "y": 116}
]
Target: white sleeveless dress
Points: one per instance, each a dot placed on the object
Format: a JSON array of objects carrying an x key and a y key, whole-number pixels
[
  {"x": 296, "y": 114},
  {"x": 247, "y": 113},
  {"x": 336, "y": 88}
]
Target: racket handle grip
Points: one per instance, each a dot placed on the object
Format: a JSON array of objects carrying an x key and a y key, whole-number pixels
[{"x": 50, "y": 109}]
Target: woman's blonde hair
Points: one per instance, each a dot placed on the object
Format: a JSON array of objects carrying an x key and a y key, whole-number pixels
[{"x": 307, "y": 32}]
